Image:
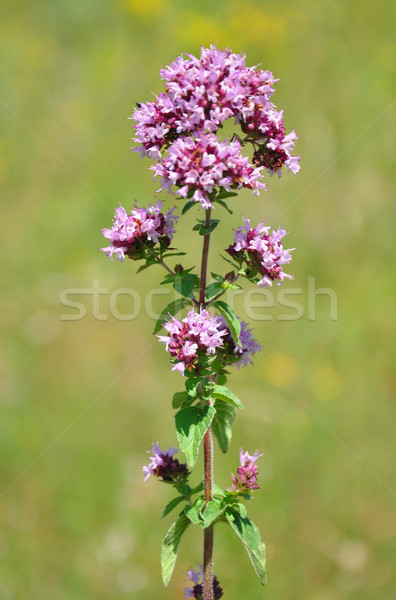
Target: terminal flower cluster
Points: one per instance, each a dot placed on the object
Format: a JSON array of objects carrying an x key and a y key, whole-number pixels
[
  {"x": 200, "y": 95},
  {"x": 164, "y": 466},
  {"x": 262, "y": 251},
  {"x": 198, "y": 165},
  {"x": 246, "y": 478},
  {"x": 196, "y": 591},
  {"x": 142, "y": 226},
  {"x": 240, "y": 355},
  {"x": 197, "y": 335}
]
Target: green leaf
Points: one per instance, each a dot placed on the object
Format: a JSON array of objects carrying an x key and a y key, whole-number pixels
[
  {"x": 171, "y": 254},
  {"x": 187, "y": 206},
  {"x": 179, "y": 398},
  {"x": 222, "y": 423},
  {"x": 225, "y": 194},
  {"x": 185, "y": 283},
  {"x": 249, "y": 535},
  {"x": 193, "y": 511},
  {"x": 224, "y": 205},
  {"x": 230, "y": 318},
  {"x": 216, "y": 277},
  {"x": 171, "y": 505},
  {"x": 223, "y": 393},
  {"x": 212, "y": 290},
  {"x": 191, "y": 425},
  {"x": 191, "y": 386},
  {"x": 172, "y": 308},
  {"x": 212, "y": 511},
  {"x": 170, "y": 546}
]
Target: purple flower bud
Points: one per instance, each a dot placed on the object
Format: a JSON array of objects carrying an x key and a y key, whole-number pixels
[
  {"x": 196, "y": 590},
  {"x": 165, "y": 467},
  {"x": 246, "y": 478},
  {"x": 240, "y": 355}
]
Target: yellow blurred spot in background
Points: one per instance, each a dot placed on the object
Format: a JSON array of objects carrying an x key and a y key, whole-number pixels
[
  {"x": 145, "y": 9},
  {"x": 326, "y": 383},
  {"x": 284, "y": 367}
]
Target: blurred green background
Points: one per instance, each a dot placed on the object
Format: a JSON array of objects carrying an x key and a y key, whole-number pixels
[{"x": 79, "y": 396}]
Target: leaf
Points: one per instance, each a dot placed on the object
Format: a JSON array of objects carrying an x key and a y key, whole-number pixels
[
  {"x": 230, "y": 318},
  {"x": 191, "y": 425},
  {"x": 222, "y": 423},
  {"x": 224, "y": 205},
  {"x": 212, "y": 290},
  {"x": 170, "y": 545},
  {"x": 187, "y": 206},
  {"x": 172, "y": 308},
  {"x": 191, "y": 386},
  {"x": 185, "y": 283},
  {"x": 218, "y": 278},
  {"x": 174, "y": 254},
  {"x": 212, "y": 511},
  {"x": 179, "y": 398},
  {"x": 171, "y": 505},
  {"x": 249, "y": 535},
  {"x": 223, "y": 393},
  {"x": 193, "y": 511},
  {"x": 225, "y": 194}
]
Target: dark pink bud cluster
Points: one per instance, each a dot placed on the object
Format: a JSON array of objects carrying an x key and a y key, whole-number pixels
[
  {"x": 164, "y": 466},
  {"x": 247, "y": 472},
  {"x": 142, "y": 225},
  {"x": 262, "y": 251},
  {"x": 201, "y": 94},
  {"x": 197, "y": 335}
]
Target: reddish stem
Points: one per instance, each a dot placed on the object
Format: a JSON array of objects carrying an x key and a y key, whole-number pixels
[{"x": 207, "y": 441}]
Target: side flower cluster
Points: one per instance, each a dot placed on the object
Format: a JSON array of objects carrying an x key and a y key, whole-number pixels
[
  {"x": 164, "y": 466},
  {"x": 262, "y": 251},
  {"x": 246, "y": 478},
  {"x": 190, "y": 340},
  {"x": 196, "y": 589},
  {"x": 142, "y": 226},
  {"x": 200, "y": 95}
]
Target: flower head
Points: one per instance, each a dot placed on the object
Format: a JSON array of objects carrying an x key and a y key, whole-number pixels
[
  {"x": 196, "y": 336},
  {"x": 177, "y": 128},
  {"x": 164, "y": 466},
  {"x": 142, "y": 226},
  {"x": 196, "y": 590},
  {"x": 202, "y": 164},
  {"x": 246, "y": 478},
  {"x": 262, "y": 251}
]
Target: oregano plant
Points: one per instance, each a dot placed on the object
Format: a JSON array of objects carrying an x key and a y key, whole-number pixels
[{"x": 180, "y": 130}]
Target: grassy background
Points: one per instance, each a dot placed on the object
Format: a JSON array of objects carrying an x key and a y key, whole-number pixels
[{"x": 81, "y": 524}]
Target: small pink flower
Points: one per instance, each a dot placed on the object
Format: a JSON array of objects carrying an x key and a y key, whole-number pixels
[{"x": 246, "y": 478}]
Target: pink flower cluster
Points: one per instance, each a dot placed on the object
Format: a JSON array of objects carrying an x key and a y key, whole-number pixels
[
  {"x": 247, "y": 472},
  {"x": 202, "y": 164},
  {"x": 129, "y": 231},
  {"x": 164, "y": 466},
  {"x": 196, "y": 335},
  {"x": 196, "y": 590},
  {"x": 201, "y": 94},
  {"x": 262, "y": 251}
]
